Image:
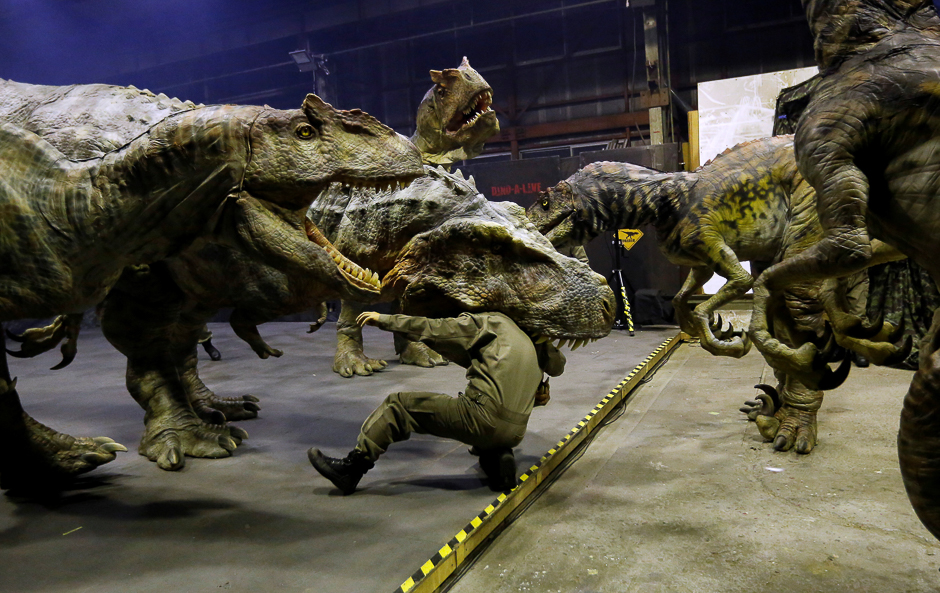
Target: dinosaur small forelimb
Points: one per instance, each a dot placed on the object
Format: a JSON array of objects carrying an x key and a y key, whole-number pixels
[
  {"x": 803, "y": 362},
  {"x": 721, "y": 342},
  {"x": 212, "y": 351},
  {"x": 884, "y": 349},
  {"x": 37, "y": 340},
  {"x": 323, "y": 312},
  {"x": 248, "y": 331},
  {"x": 716, "y": 326},
  {"x": 828, "y": 349}
]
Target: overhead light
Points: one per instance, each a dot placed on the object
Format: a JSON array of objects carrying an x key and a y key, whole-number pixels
[
  {"x": 309, "y": 62},
  {"x": 301, "y": 57}
]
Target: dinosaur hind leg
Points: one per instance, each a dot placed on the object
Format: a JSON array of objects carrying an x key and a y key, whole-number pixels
[{"x": 38, "y": 459}]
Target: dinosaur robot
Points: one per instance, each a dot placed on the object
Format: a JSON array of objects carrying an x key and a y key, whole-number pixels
[
  {"x": 867, "y": 143},
  {"x": 177, "y": 174},
  {"x": 454, "y": 120},
  {"x": 748, "y": 204}
]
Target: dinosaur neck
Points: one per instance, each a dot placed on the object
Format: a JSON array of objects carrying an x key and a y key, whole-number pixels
[
  {"x": 160, "y": 192},
  {"x": 619, "y": 196},
  {"x": 434, "y": 153}
]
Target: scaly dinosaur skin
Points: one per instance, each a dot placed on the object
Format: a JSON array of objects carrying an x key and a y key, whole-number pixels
[
  {"x": 442, "y": 248},
  {"x": 454, "y": 120},
  {"x": 454, "y": 117},
  {"x": 867, "y": 143},
  {"x": 734, "y": 208},
  {"x": 750, "y": 203},
  {"x": 239, "y": 176}
]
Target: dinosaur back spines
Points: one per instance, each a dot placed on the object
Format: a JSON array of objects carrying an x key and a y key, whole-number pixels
[{"x": 744, "y": 146}]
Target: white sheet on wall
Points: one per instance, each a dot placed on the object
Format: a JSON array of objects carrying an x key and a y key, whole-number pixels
[{"x": 735, "y": 110}]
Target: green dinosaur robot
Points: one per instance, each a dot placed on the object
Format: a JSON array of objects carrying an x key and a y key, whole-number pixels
[
  {"x": 454, "y": 121},
  {"x": 867, "y": 143},
  {"x": 240, "y": 176},
  {"x": 440, "y": 247},
  {"x": 454, "y": 117},
  {"x": 750, "y": 203}
]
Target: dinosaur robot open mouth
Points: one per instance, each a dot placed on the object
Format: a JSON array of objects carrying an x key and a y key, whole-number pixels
[
  {"x": 356, "y": 275},
  {"x": 477, "y": 107}
]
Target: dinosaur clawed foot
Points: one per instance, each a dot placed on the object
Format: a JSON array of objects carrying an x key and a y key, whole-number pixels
[
  {"x": 40, "y": 460},
  {"x": 766, "y": 404},
  {"x": 37, "y": 340},
  {"x": 352, "y": 363},
  {"x": 168, "y": 446},
  {"x": 218, "y": 410},
  {"x": 789, "y": 428},
  {"x": 421, "y": 355}
]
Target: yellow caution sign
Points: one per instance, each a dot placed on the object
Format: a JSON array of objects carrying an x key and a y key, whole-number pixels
[{"x": 629, "y": 237}]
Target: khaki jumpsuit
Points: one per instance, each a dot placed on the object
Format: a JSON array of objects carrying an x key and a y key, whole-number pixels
[{"x": 504, "y": 368}]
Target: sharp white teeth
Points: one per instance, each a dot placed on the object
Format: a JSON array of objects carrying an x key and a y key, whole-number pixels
[{"x": 541, "y": 339}]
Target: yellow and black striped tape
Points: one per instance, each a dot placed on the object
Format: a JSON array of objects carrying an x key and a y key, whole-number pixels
[{"x": 450, "y": 548}]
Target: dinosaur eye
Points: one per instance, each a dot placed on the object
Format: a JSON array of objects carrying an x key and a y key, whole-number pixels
[
  {"x": 545, "y": 204},
  {"x": 497, "y": 249},
  {"x": 305, "y": 131}
]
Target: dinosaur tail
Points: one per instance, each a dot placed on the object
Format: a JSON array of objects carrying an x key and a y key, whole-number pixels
[{"x": 919, "y": 444}]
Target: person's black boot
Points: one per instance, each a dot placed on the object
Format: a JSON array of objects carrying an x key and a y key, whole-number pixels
[
  {"x": 344, "y": 473},
  {"x": 499, "y": 465}
]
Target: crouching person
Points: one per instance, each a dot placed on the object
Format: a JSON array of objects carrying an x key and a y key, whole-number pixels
[{"x": 504, "y": 369}]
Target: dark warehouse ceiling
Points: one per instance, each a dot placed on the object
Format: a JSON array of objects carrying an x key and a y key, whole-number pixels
[{"x": 548, "y": 61}]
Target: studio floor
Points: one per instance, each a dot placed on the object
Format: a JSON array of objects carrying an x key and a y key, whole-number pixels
[{"x": 678, "y": 494}]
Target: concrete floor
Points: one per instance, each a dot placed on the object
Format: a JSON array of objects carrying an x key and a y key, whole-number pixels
[
  {"x": 263, "y": 520},
  {"x": 682, "y": 494}
]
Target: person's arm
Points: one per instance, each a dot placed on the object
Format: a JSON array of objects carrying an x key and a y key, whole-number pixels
[
  {"x": 551, "y": 359},
  {"x": 424, "y": 329}
]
